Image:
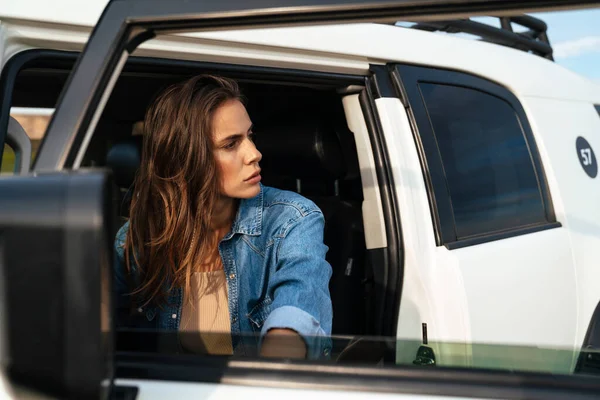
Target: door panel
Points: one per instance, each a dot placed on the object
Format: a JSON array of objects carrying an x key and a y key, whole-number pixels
[
  {"x": 430, "y": 294},
  {"x": 565, "y": 122},
  {"x": 497, "y": 283},
  {"x": 520, "y": 291}
]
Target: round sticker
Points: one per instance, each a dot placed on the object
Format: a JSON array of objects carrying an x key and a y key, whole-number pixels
[{"x": 587, "y": 158}]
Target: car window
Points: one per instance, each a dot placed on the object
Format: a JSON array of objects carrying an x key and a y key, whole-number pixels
[
  {"x": 8, "y": 160},
  {"x": 34, "y": 121},
  {"x": 486, "y": 159}
]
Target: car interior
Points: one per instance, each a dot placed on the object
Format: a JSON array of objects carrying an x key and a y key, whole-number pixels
[{"x": 301, "y": 132}]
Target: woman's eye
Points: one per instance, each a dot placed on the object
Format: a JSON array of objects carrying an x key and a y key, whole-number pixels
[
  {"x": 230, "y": 145},
  {"x": 251, "y": 135}
]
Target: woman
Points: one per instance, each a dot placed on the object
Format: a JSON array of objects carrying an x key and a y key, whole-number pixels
[{"x": 207, "y": 247}]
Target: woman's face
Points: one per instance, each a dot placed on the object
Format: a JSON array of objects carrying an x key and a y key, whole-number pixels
[{"x": 237, "y": 157}]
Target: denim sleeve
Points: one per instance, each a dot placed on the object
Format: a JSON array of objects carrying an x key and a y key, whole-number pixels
[{"x": 301, "y": 299}]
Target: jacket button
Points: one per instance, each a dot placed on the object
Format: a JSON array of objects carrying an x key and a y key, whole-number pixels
[
  {"x": 174, "y": 316},
  {"x": 140, "y": 310},
  {"x": 231, "y": 276}
]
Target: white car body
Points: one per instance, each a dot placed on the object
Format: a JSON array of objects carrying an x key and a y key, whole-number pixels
[{"x": 532, "y": 290}]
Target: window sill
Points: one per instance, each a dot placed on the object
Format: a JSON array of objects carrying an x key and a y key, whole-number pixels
[{"x": 475, "y": 240}]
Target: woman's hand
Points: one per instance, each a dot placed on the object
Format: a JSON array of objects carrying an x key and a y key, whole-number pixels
[{"x": 283, "y": 343}]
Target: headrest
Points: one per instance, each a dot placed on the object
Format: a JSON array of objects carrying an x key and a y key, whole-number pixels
[
  {"x": 302, "y": 149},
  {"x": 124, "y": 159},
  {"x": 307, "y": 149}
]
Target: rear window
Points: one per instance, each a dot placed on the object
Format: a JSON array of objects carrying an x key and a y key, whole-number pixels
[{"x": 488, "y": 166}]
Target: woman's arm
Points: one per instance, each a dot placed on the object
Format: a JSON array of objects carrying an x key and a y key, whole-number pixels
[
  {"x": 284, "y": 343},
  {"x": 301, "y": 308}
]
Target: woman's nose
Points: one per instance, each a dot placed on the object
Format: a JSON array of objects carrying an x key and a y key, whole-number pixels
[{"x": 252, "y": 155}]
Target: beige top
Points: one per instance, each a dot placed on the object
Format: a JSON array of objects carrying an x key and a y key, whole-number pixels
[{"x": 205, "y": 316}]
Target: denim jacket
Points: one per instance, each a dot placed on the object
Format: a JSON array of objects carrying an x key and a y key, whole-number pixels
[{"x": 277, "y": 276}]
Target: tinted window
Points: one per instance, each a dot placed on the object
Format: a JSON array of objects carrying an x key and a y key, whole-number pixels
[{"x": 487, "y": 163}]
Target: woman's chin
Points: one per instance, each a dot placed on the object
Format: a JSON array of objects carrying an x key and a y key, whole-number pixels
[
  {"x": 252, "y": 191},
  {"x": 248, "y": 192}
]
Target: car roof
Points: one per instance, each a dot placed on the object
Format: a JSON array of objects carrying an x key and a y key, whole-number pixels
[
  {"x": 356, "y": 44},
  {"x": 525, "y": 74}
]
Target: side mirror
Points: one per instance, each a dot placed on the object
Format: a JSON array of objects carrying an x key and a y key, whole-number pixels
[
  {"x": 56, "y": 235},
  {"x": 17, "y": 138}
]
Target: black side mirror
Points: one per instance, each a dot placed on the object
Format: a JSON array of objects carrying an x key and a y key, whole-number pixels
[{"x": 56, "y": 235}]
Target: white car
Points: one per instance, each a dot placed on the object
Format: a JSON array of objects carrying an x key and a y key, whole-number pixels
[{"x": 458, "y": 179}]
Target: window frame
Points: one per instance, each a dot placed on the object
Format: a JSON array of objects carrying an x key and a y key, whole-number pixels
[
  {"x": 388, "y": 258},
  {"x": 17, "y": 63},
  {"x": 133, "y": 369},
  {"x": 407, "y": 79}
]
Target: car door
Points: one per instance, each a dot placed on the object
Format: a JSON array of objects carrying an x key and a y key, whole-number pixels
[{"x": 497, "y": 260}]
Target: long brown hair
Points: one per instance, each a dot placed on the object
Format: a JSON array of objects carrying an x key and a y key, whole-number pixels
[{"x": 176, "y": 187}]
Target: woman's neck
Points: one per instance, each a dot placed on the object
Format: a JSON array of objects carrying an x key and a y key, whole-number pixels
[{"x": 224, "y": 214}]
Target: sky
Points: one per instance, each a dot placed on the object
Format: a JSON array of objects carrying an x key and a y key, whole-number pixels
[{"x": 575, "y": 38}]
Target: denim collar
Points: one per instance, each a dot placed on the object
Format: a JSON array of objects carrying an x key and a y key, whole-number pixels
[{"x": 248, "y": 220}]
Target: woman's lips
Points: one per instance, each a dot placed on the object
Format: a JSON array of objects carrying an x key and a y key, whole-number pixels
[{"x": 255, "y": 178}]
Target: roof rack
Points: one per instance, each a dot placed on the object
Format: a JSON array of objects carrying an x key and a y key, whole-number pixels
[{"x": 534, "y": 40}]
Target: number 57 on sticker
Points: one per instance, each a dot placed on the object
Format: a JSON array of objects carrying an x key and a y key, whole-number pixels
[{"x": 586, "y": 154}]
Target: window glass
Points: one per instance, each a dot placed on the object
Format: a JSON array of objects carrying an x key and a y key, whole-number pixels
[
  {"x": 487, "y": 163},
  {"x": 8, "y": 160},
  {"x": 34, "y": 121}
]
